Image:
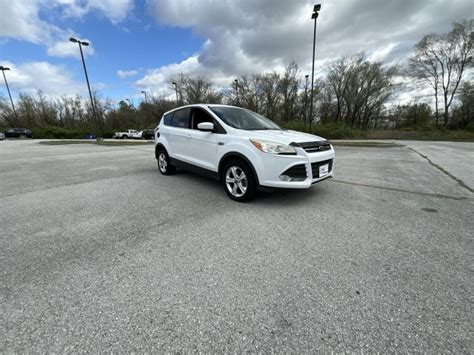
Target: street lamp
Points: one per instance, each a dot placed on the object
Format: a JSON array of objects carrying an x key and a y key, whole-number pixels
[
  {"x": 83, "y": 43},
  {"x": 314, "y": 17},
  {"x": 236, "y": 91},
  {"x": 305, "y": 104},
  {"x": 3, "y": 69},
  {"x": 144, "y": 92},
  {"x": 176, "y": 90}
]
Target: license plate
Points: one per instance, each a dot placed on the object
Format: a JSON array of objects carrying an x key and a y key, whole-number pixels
[{"x": 323, "y": 170}]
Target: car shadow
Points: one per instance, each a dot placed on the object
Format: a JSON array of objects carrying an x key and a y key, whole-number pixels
[
  {"x": 273, "y": 197},
  {"x": 285, "y": 197}
]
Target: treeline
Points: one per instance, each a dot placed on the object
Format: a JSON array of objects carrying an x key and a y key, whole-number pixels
[{"x": 355, "y": 93}]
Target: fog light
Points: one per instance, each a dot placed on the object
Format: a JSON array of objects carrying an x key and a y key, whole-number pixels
[{"x": 285, "y": 178}]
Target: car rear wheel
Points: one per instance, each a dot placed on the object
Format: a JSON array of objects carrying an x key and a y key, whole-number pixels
[
  {"x": 164, "y": 164},
  {"x": 239, "y": 181}
]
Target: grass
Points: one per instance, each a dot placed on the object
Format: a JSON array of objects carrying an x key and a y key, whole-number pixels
[
  {"x": 430, "y": 135},
  {"x": 106, "y": 143},
  {"x": 338, "y": 131}
]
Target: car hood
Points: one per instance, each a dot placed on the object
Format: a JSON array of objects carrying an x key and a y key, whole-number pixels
[{"x": 283, "y": 136}]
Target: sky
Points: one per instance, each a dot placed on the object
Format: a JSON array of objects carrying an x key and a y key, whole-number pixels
[{"x": 139, "y": 45}]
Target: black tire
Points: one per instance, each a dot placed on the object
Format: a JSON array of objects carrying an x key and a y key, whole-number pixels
[
  {"x": 235, "y": 190},
  {"x": 164, "y": 166}
]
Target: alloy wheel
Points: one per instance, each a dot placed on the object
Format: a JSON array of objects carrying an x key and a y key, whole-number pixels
[
  {"x": 236, "y": 181},
  {"x": 162, "y": 163}
]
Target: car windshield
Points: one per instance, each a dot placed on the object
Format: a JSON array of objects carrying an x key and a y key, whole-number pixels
[{"x": 243, "y": 119}]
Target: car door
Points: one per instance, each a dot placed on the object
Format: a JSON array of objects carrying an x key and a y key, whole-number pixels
[
  {"x": 179, "y": 134},
  {"x": 204, "y": 144}
]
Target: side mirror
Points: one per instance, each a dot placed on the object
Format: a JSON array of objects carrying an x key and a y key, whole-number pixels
[{"x": 206, "y": 126}]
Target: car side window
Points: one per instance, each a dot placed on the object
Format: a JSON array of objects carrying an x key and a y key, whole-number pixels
[
  {"x": 167, "y": 118},
  {"x": 200, "y": 116},
  {"x": 181, "y": 118}
]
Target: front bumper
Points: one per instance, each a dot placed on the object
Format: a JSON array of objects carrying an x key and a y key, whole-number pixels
[{"x": 273, "y": 166}]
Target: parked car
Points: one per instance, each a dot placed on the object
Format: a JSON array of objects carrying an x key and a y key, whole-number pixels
[
  {"x": 145, "y": 134},
  {"x": 241, "y": 148},
  {"x": 2, "y": 136},
  {"x": 148, "y": 134},
  {"x": 127, "y": 134},
  {"x": 18, "y": 133},
  {"x": 136, "y": 135}
]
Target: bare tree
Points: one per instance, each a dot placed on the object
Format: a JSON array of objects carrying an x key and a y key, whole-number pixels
[
  {"x": 463, "y": 114},
  {"x": 196, "y": 90},
  {"x": 442, "y": 60},
  {"x": 250, "y": 91},
  {"x": 288, "y": 88},
  {"x": 272, "y": 94},
  {"x": 270, "y": 99},
  {"x": 424, "y": 66},
  {"x": 355, "y": 91},
  {"x": 338, "y": 73}
]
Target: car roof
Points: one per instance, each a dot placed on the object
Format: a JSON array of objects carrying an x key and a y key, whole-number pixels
[{"x": 199, "y": 105}]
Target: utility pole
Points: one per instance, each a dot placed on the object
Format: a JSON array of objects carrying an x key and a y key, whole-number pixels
[
  {"x": 236, "y": 92},
  {"x": 3, "y": 69},
  {"x": 314, "y": 16},
  {"x": 305, "y": 103},
  {"x": 144, "y": 92},
  {"x": 176, "y": 90},
  {"x": 84, "y": 43}
]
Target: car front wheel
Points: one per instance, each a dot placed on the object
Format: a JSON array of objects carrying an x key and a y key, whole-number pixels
[{"x": 239, "y": 181}]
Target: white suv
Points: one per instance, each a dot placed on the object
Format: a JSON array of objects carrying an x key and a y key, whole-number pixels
[{"x": 241, "y": 148}]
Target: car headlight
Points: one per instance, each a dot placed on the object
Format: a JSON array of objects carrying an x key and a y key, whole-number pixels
[{"x": 273, "y": 147}]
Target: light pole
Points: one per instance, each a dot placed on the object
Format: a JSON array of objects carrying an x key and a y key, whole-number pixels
[
  {"x": 236, "y": 92},
  {"x": 305, "y": 105},
  {"x": 176, "y": 90},
  {"x": 3, "y": 69},
  {"x": 144, "y": 92},
  {"x": 314, "y": 16},
  {"x": 84, "y": 43}
]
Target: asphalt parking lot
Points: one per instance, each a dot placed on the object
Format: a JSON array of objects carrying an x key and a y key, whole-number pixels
[{"x": 99, "y": 252}]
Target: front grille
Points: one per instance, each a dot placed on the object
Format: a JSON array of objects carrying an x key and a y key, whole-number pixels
[
  {"x": 296, "y": 172},
  {"x": 312, "y": 147},
  {"x": 315, "y": 167}
]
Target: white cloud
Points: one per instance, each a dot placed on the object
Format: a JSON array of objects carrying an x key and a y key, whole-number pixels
[
  {"x": 122, "y": 74},
  {"x": 381, "y": 53},
  {"x": 115, "y": 10},
  {"x": 53, "y": 80},
  {"x": 248, "y": 36},
  {"x": 64, "y": 48},
  {"x": 156, "y": 81},
  {"x": 20, "y": 19}
]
